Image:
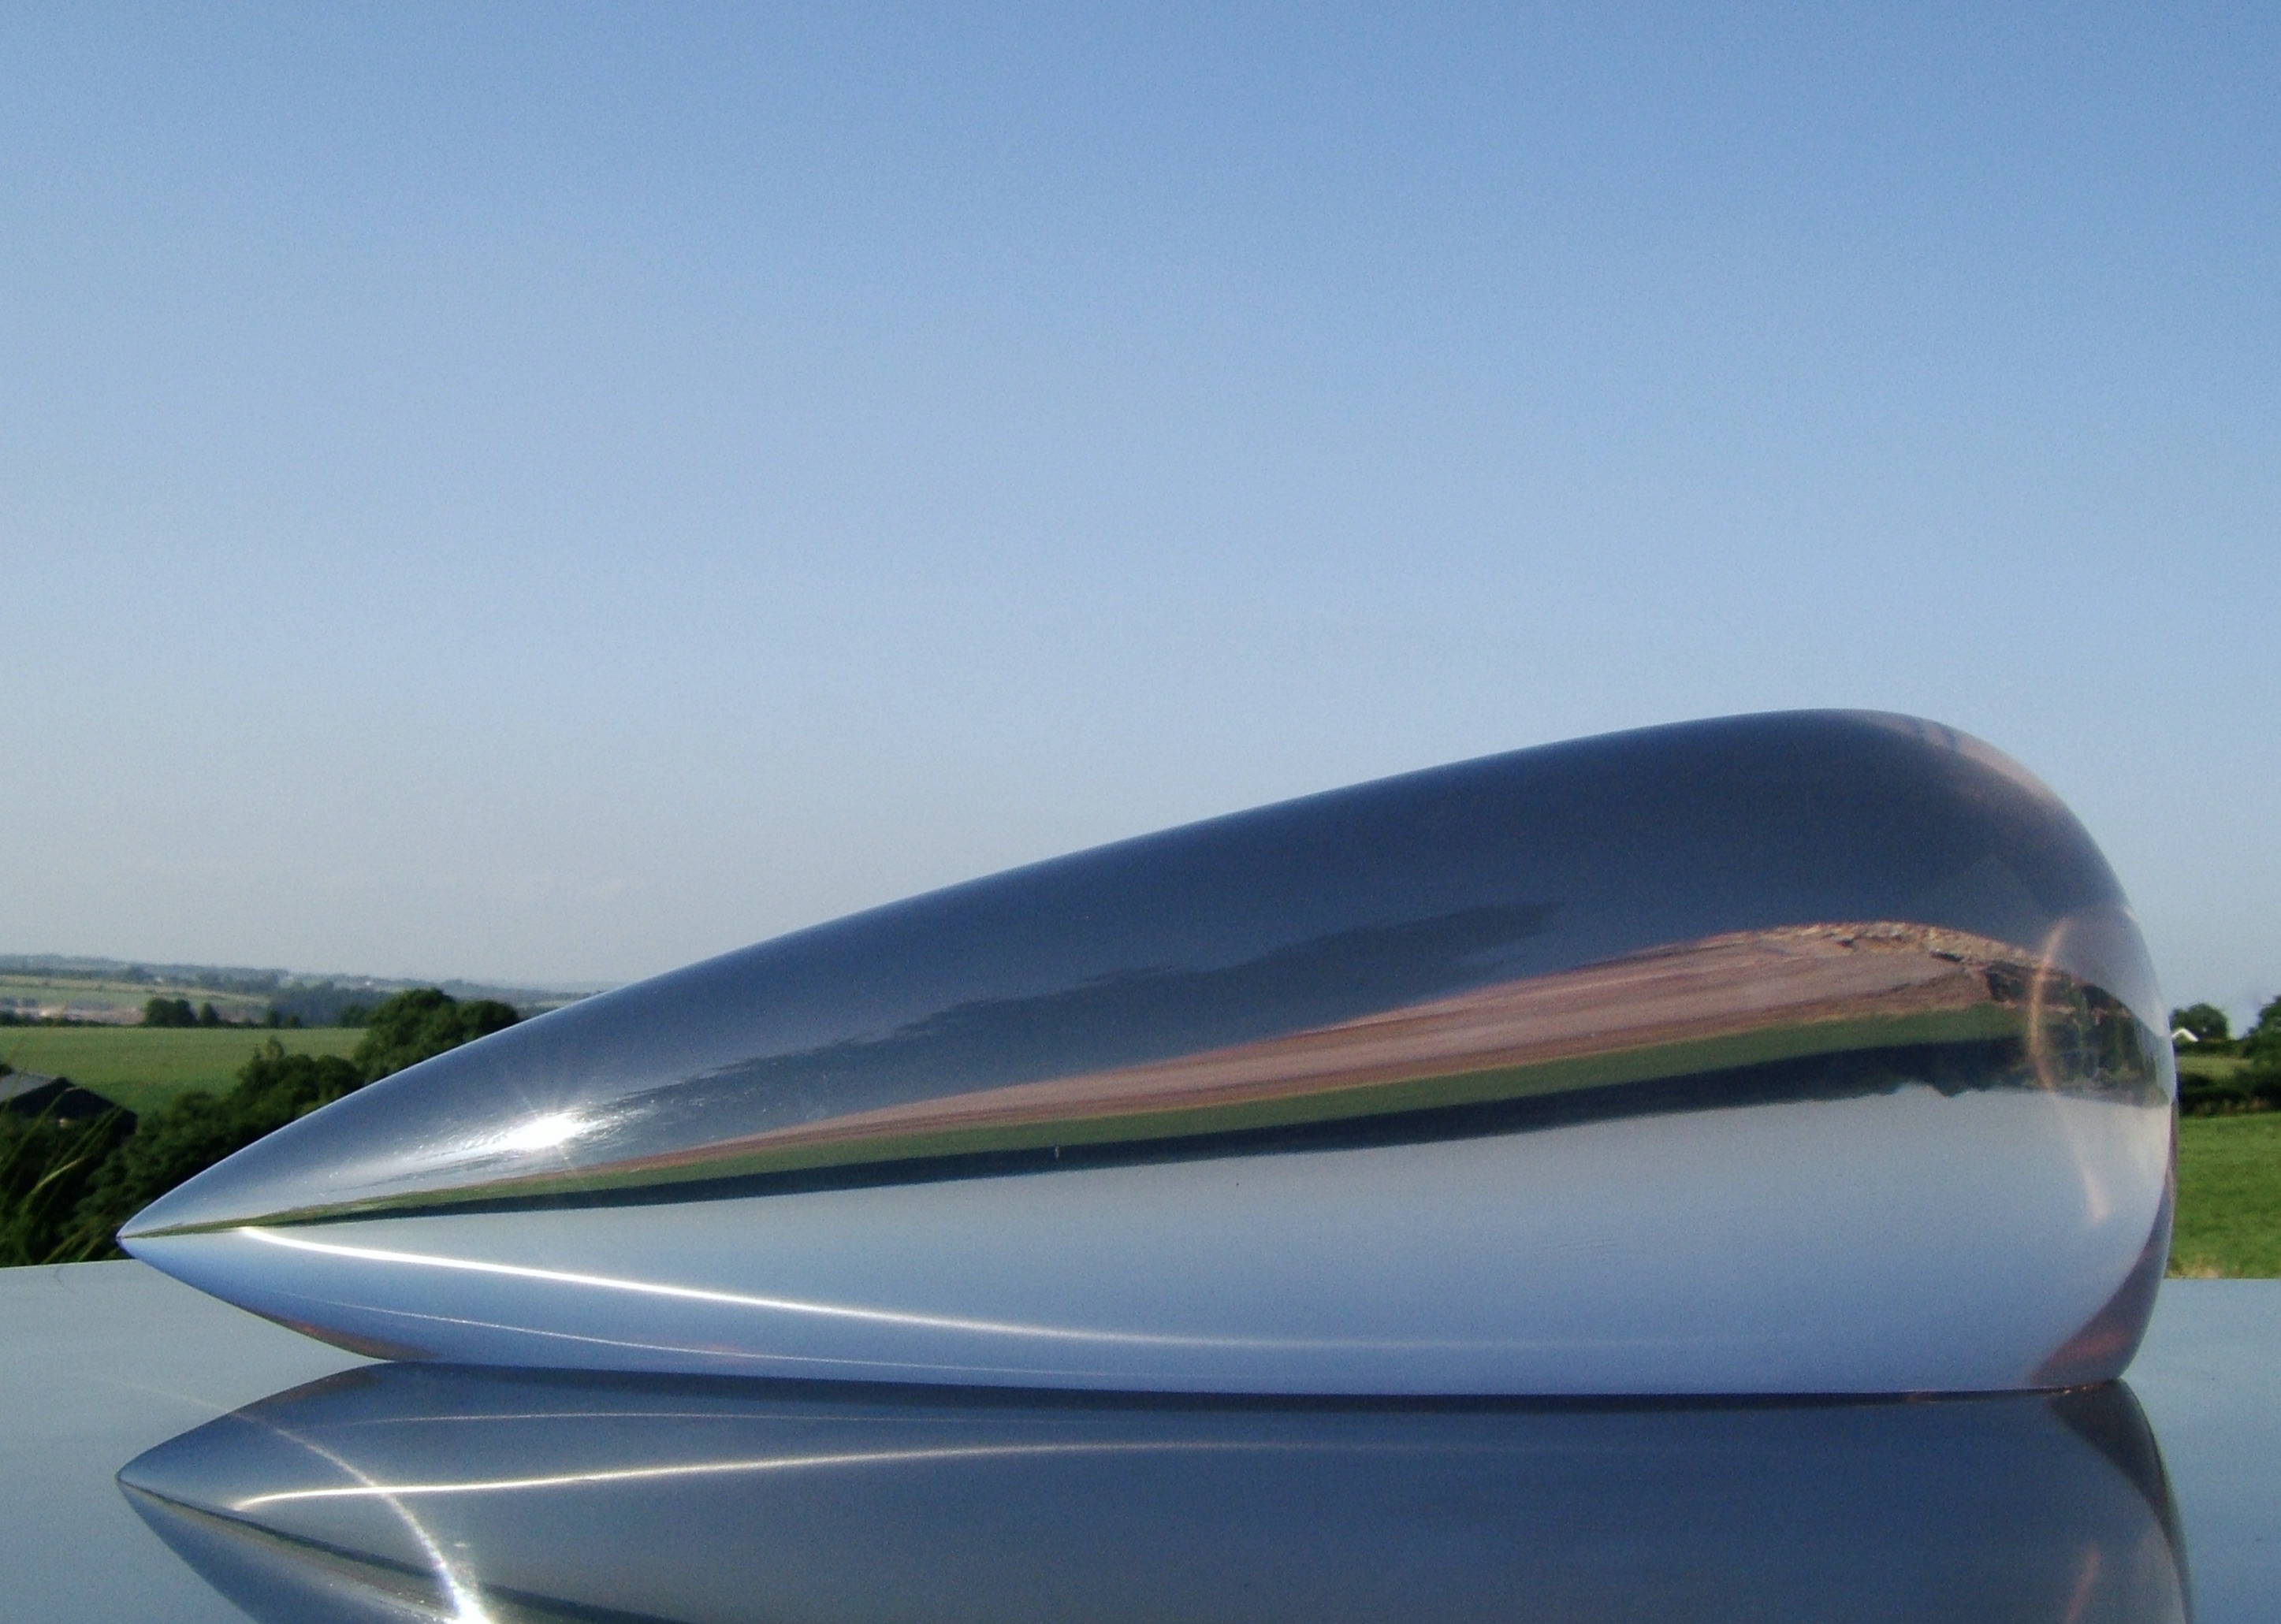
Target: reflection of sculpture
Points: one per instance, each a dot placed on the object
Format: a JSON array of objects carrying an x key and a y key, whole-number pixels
[
  {"x": 410, "y": 1492},
  {"x": 1811, "y": 1052}
]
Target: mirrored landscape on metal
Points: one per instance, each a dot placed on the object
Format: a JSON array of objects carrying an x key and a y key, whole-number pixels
[{"x": 1814, "y": 1052}]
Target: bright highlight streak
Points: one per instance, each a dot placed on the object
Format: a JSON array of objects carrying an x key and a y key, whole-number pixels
[
  {"x": 467, "y": 1603},
  {"x": 715, "y": 1468},
  {"x": 794, "y": 1305}
]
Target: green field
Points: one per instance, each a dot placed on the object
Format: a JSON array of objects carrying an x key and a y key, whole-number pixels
[
  {"x": 2229, "y": 1197},
  {"x": 2216, "y": 1068},
  {"x": 143, "y": 1066}
]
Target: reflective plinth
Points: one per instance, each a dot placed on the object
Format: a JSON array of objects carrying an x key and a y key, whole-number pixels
[
  {"x": 1800, "y": 1053},
  {"x": 405, "y": 1493}
]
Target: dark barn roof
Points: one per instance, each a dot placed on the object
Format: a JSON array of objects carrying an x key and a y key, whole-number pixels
[{"x": 29, "y": 1093}]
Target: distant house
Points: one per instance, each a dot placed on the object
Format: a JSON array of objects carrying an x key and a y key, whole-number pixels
[{"x": 29, "y": 1093}]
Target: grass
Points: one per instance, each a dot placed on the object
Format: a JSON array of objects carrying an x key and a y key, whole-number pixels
[
  {"x": 2229, "y": 1197},
  {"x": 144, "y": 1066}
]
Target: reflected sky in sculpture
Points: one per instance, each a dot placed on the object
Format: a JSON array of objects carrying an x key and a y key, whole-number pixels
[
  {"x": 1813, "y": 1052},
  {"x": 408, "y": 1492}
]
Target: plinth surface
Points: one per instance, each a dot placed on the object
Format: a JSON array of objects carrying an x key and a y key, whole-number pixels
[{"x": 108, "y": 1361}]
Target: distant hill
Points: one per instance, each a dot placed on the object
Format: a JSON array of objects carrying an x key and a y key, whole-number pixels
[{"x": 49, "y": 986}]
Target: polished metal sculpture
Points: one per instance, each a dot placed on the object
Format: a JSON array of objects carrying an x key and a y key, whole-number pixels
[
  {"x": 1812, "y": 1052},
  {"x": 414, "y": 1492}
]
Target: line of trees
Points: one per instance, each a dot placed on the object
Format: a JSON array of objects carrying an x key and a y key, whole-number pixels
[
  {"x": 178, "y": 1012},
  {"x": 162, "y": 1013},
  {"x": 65, "y": 1188}
]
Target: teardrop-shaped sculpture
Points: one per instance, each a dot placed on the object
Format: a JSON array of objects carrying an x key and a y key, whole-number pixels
[
  {"x": 402, "y": 1493},
  {"x": 1813, "y": 1052}
]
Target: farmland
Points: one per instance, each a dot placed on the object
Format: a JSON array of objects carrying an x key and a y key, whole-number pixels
[
  {"x": 98, "y": 998},
  {"x": 144, "y": 1066}
]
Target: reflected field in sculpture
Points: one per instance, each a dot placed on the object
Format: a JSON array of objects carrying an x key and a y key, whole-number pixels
[
  {"x": 1801, "y": 1012},
  {"x": 410, "y": 1492},
  {"x": 1797, "y": 1053}
]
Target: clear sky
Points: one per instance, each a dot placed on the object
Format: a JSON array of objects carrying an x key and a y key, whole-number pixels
[{"x": 553, "y": 494}]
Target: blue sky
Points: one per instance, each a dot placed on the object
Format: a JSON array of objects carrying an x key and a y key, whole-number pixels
[{"x": 550, "y": 493}]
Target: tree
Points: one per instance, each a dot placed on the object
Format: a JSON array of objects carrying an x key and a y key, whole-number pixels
[
  {"x": 2205, "y": 1021},
  {"x": 169, "y": 1012},
  {"x": 2261, "y": 1045},
  {"x": 415, "y": 1026}
]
